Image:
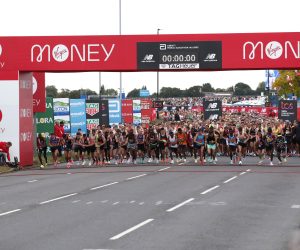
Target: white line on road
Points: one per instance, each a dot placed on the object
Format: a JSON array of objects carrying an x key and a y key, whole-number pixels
[
  {"x": 58, "y": 198},
  {"x": 75, "y": 201},
  {"x": 131, "y": 229},
  {"x": 211, "y": 189},
  {"x": 295, "y": 206},
  {"x": 90, "y": 202},
  {"x": 134, "y": 177},
  {"x": 248, "y": 170},
  {"x": 113, "y": 183},
  {"x": 132, "y": 202},
  {"x": 158, "y": 203},
  {"x": 163, "y": 169},
  {"x": 180, "y": 205},
  {"x": 32, "y": 181},
  {"x": 141, "y": 203},
  {"x": 231, "y": 179},
  {"x": 69, "y": 173},
  {"x": 243, "y": 173},
  {"x": 10, "y": 212},
  {"x": 116, "y": 203}
]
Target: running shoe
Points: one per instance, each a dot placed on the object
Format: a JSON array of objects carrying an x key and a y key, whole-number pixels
[
  {"x": 271, "y": 163},
  {"x": 172, "y": 162}
]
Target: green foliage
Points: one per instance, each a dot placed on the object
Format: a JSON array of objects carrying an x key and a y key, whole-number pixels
[
  {"x": 134, "y": 93},
  {"x": 288, "y": 82},
  {"x": 241, "y": 89}
]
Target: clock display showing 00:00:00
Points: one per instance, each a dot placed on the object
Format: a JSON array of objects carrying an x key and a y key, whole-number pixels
[{"x": 177, "y": 58}]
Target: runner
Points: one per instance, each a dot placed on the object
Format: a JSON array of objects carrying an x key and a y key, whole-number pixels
[
  {"x": 199, "y": 145},
  {"x": 211, "y": 145},
  {"x": 54, "y": 143},
  {"x": 232, "y": 144},
  {"x": 42, "y": 149}
]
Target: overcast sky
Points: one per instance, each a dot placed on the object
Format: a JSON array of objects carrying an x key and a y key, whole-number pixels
[{"x": 101, "y": 17}]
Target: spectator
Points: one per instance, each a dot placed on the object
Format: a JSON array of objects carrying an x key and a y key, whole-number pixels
[{"x": 4, "y": 151}]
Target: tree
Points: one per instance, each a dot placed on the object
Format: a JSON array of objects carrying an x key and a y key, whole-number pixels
[
  {"x": 207, "y": 88},
  {"x": 288, "y": 82},
  {"x": 166, "y": 92},
  {"x": 195, "y": 91},
  {"x": 51, "y": 91},
  {"x": 242, "y": 89},
  {"x": 134, "y": 93},
  {"x": 260, "y": 88}
]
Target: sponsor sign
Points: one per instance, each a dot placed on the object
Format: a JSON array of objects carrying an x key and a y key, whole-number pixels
[
  {"x": 287, "y": 110},
  {"x": 146, "y": 104},
  {"x": 92, "y": 124},
  {"x": 136, "y": 106},
  {"x": 212, "y": 110},
  {"x": 61, "y": 110},
  {"x": 93, "y": 108},
  {"x": 78, "y": 115},
  {"x": 127, "y": 111},
  {"x": 39, "y": 92},
  {"x": 104, "y": 112},
  {"x": 61, "y": 106},
  {"x": 137, "y": 118},
  {"x": 179, "y": 55},
  {"x": 45, "y": 121},
  {"x": 144, "y": 93},
  {"x": 114, "y": 111}
]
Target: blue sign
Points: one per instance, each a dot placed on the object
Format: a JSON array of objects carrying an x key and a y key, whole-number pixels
[
  {"x": 78, "y": 115},
  {"x": 114, "y": 111},
  {"x": 144, "y": 93}
]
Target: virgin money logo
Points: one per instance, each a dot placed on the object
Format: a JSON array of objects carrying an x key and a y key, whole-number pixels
[
  {"x": 0, "y": 49},
  {"x": 1, "y": 115},
  {"x": 273, "y": 50},
  {"x": 60, "y": 53}
]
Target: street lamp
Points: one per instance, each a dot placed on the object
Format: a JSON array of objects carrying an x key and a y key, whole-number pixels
[{"x": 157, "y": 83}]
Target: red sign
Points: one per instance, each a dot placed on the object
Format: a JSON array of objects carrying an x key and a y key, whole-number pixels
[
  {"x": 146, "y": 103},
  {"x": 39, "y": 92},
  {"x": 103, "y": 53},
  {"x": 127, "y": 111},
  {"x": 26, "y": 119}
]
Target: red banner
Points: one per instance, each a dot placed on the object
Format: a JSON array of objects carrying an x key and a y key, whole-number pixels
[
  {"x": 127, "y": 111},
  {"x": 146, "y": 103},
  {"x": 103, "y": 53},
  {"x": 39, "y": 92},
  {"x": 26, "y": 119}
]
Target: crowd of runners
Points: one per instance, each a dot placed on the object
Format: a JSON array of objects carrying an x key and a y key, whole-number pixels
[{"x": 235, "y": 136}]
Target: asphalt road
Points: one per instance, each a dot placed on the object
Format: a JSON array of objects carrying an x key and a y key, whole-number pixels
[{"x": 152, "y": 207}]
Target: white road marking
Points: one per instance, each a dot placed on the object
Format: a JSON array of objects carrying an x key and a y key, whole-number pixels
[
  {"x": 106, "y": 185},
  {"x": 180, "y": 205},
  {"x": 75, "y": 201},
  {"x": 243, "y": 173},
  {"x": 231, "y": 179},
  {"x": 163, "y": 169},
  {"x": 210, "y": 189},
  {"x": 219, "y": 203},
  {"x": 32, "y": 181},
  {"x": 69, "y": 173},
  {"x": 158, "y": 203},
  {"x": 10, "y": 212},
  {"x": 116, "y": 203},
  {"x": 295, "y": 206},
  {"x": 58, "y": 198},
  {"x": 132, "y": 202},
  {"x": 141, "y": 203},
  {"x": 131, "y": 229},
  {"x": 90, "y": 202},
  {"x": 248, "y": 170},
  {"x": 134, "y": 177}
]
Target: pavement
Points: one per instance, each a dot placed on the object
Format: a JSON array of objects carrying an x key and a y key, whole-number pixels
[{"x": 151, "y": 206}]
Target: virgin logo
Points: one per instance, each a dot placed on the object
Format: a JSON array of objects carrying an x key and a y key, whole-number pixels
[
  {"x": 1, "y": 115},
  {"x": 60, "y": 53},
  {"x": 1, "y": 63},
  {"x": 0, "y": 49},
  {"x": 273, "y": 50},
  {"x": 34, "y": 85},
  {"x": 95, "y": 52}
]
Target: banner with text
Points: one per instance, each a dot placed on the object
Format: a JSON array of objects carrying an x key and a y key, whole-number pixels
[
  {"x": 114, "y": 111},
  {"x": 45, "y": 121},
  {"x": 127, "y": 111},
  {"x": 212, "y": 110},
  {"x": 287, "y": 110},
  {"x": 61, "y": 108},
  {"x": 77, "y": 115}
]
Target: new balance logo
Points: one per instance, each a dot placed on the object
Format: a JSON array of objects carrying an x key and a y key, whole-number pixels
[
  {"x": 148, "y": 57},
  {"x": 212, "y": 105},
  {"x": 210, "y": 56}
]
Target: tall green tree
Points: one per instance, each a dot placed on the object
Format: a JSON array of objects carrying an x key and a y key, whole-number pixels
[
  {"x": 51, "y": 91},
  {"x": 243, "y": 89},
  {"x": 206, "y": 87},
  {"x": 166, "y": 92},
  {"x": 288, "y": 82},
  {"x": 134, "y": 93}
]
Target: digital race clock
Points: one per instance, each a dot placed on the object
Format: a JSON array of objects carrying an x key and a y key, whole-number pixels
[{"x": 179, "y": 55}]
